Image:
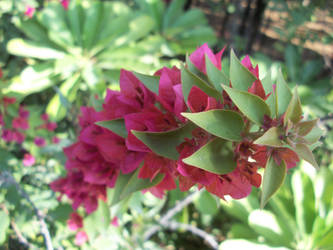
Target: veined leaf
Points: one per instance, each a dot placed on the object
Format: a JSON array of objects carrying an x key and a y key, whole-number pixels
[
  {"x": 151, "y": 82},
  {"x": 305, "y": 153},
  {"x": 283, "y": 94},
  {"x": 226, "y": 124},
  {"x": 273, "y": 178},
  {"x": 189, "y": 80},
  {"x": 165, "y": 143},
  {"x": 241, "y": 78},
  {"x": 215, "y": 157},
  {"x": 270, "y": 138},
  {"x": 215, "y": 76},
  {"x": 117, "y": 126},
  {"x": 252, "y": 106},
  {"x": 294, "y": 111}
]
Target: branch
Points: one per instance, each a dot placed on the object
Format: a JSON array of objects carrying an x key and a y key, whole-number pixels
[
  {"x": 173, "y": 225},
  {"x": 17, "y": 231},
  {"x": 8, "y": 178}
]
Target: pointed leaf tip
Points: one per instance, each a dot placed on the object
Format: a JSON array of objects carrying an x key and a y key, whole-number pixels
[
  {"x": 294, "y": 110},
  {"x": 165, "y": 143},
  {"x": 273, "y": 179},
  {"x": 252, "y": 106},
  {"x": 116, "y": 126},
  {"x": 215, "y": 157},
  {"x": 270, "y": 138}
]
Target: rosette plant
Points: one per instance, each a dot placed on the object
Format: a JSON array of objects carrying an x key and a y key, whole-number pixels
[
  {"x": 192, "y": 126},
  {"x": 85, "y": 45},
  {"x": 175, "y": 30}
]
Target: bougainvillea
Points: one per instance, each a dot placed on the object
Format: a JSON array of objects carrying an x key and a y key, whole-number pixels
[
  {"x": 15, "y": 128},
  {"x": 197, "y": 125}
]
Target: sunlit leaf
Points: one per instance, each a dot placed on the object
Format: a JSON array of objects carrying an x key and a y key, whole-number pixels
[
  {"x": 294, "y": 111},
  {"x": 305, "y": 153},
  {"x": 189, "y": 80},
  {"x": 252, "y": 106},
  {"x": 241, "y": 78},
  {"x": 270, "y": 138},
  {"x": 215, "y": 157},
  {"x": 283, "y": 94},
  {"x": 222, "y": 123}
]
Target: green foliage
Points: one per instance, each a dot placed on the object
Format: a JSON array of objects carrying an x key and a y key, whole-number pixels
[
  {"x": 214, "y": 157},
  {"x": 225, "y": 124},
  {"x": 301, "y": 219},
  {"x": 165, "y": 143}
]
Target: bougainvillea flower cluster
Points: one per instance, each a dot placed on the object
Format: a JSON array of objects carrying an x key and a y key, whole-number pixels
[
  {"x": 197, "y": 125},
  {"x": 14, "y": 126}
]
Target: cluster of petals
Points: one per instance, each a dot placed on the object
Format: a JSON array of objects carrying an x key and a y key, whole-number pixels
[
  {"x": 14, "y": 129},
  {"x": 99, "y": 155}
]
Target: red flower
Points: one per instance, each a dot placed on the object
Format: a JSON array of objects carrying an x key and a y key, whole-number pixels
[
  {"x": 198, "y": 57},
  {"x": 28, "y": 160}
]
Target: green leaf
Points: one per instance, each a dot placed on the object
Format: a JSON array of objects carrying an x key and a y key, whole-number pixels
[
  {"x": 53, "y": 17},
  {"x": 226, "y": 124},
  {"x": 24, "y": 48},
  {"x": 273, "y": 178},
  {"x": 129, "y": 183},
  {"x": 271, "y": 100},
  {"x": 33, "y": 79},
  {"x": 173, "y": 12},
  {"x": 151, "y": 82},
  {"x": 93, "y": 15},
  {"x": 189, "y": 80},
  {"x": 266, "y": 224},
  {"x": 241, "y": 78},
  {"x": 215, "y": 76},
  {"x": 252, "y": 106},
  {"x": 292, "y": 57},
  {"x": 75, "y": 17},
  {"x": 305, "y": 127},
  {"x": 305, "y": 153},
  {"x": 327, "y": 240},
  {"x": 314, "y": 135},
  {"x": 271, "y": 138},
  {"x": 304, "y": 202},
  {"x": 117, "y": 126},
  {"x": 4, "y": 225},
  {"x": 35, "y": 31},
  {"x": 215, "y": 157},
  {"x": 246, "y": 244},
  {"x": 165, "y": 143},
  {"x": 97, "y": 222},
  {"x": 206, "y": 203},
  {"x": 68, "y": 90},
  {"x": 283, "y": 94},
  {"x": 294, "y": 111}
]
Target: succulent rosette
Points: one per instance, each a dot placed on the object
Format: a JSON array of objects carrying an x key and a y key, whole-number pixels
[{"x": 197, "y": 125}]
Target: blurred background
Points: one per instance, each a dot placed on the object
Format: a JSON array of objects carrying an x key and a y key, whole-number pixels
[{"x": 58, "y": 55}]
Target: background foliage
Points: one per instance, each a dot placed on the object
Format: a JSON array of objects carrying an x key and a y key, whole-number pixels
[{"x": 59, "y": 60}]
